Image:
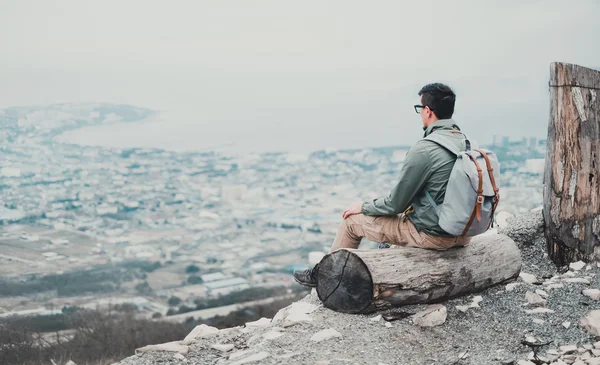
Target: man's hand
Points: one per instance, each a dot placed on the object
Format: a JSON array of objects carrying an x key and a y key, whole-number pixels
[{"x": 354, "y": 208}]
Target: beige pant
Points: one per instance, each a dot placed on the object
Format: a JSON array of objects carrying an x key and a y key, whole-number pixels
[{"x": 395, "y": 230}]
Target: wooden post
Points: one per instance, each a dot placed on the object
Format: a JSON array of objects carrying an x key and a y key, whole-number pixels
[
  {"x": 362, "y": 281},
  {"x": 571, "y": 186}
]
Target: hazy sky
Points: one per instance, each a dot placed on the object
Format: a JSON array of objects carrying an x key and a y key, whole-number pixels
[{"x": 345, "y": 72}]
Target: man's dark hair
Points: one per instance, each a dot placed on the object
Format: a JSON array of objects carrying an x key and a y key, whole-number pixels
[{"x": 439, "y": 98}]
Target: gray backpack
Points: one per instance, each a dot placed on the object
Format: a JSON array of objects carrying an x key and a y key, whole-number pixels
[{"x": 471, "y": 195}]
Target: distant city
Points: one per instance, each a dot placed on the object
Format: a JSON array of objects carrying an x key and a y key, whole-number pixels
[{"x": 82, "y": 224}]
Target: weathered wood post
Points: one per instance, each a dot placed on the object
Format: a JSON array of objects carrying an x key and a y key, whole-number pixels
[{"x": 571, "y": 186}]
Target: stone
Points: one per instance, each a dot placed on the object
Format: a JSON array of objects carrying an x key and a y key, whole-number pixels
[
  {"x": 531, "y": 339},
  {"x": 388, "y": 324},
  {"x": 535, "y": 299},
  {"x": 238, "y": 354},
  {"x": 325, "y": 335},
  {"x": 577, "y": 265},
  {"x": 434, "y": 315},
  {"x": 538, "y": 321},
  {"x": 555, "y": 286},
  {"x": 577, "y": 281},
  {"x": 376, "y": 318},
  {"x": 252, "y": 358},
  {"x": 71, "y": 362},
  {"x": 289, "y": 355},
  {"x": 296, "y": 318},
  {"x": 593, "y": 361},
  {"x": 177, "y": 356},
  {"x": 588, "y": 346},
  {"x": 477, "y": 299},
  {"x": 199, "y": 332},
  {"x": 524, "y": 362},
  {"x": 591, "y": 322},
  {"x": 280, "y": 315},
  {"x": 512, "y": 286},
  {"x": 566, "y": 324},
  {"x": 559, "y": 362},
  {"x": 528, "y": 278},
  {"x": 539, "y": 311},
  {"x": 271, "y": 335},
  {"x": 567, "y": 349},
  {"x": 579, "y": 362},
  {"x": 261, "y": 323},
  {"x": 596, "y": 345},
  {"x": 463, "y": 308},
  {"x": 592, "y": 293},
  {"x": 542, "y": 293},
  {"x": 174, "y": 346},
  {"x": 302, "y": 307},
  {"x": 502, "y": 219},
  {"x": 463, "y": 355},
  {"x": 223, "y": 347}
]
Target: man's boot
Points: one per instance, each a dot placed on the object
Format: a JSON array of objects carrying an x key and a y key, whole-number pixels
[{"x": 307, "y": 277}]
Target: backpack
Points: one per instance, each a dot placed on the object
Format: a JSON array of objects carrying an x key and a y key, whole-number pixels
[{"x": 471, "y": 194}]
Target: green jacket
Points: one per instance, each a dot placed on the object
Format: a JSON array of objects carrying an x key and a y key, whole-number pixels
[{"x": 427, "y": 166}]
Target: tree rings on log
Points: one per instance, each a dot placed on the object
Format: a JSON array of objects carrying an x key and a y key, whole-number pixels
[{"x": 344, "y": 282}]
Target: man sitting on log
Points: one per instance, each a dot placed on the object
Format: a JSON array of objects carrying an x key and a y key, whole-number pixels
[{"x": 421, "y": 187}]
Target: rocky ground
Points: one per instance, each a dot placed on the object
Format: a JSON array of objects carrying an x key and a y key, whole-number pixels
[{"x": 501, "y": 325}]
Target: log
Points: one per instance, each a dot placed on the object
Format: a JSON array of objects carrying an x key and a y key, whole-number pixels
[
  {"x": 571, "y": 188},
  {"x": 363, "y": 281}
]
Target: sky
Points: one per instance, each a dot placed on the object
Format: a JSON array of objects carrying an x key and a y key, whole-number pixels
[{"x": 296, "y": 75}]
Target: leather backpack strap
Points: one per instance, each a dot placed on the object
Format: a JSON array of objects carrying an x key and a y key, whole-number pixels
[
  {"x": 477, "y": 208},
  {"x": 493, "y": 181}
]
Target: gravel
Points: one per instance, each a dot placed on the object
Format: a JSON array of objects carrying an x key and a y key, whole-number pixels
[{"x": 491, "y": 334}]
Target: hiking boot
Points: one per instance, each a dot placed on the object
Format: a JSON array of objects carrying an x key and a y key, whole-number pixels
[
  {"x": 384, "y": 245},
  {"x": 307, "y": 277}
]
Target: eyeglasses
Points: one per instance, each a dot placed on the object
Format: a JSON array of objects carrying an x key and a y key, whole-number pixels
[{"x": 419, "y": 107}]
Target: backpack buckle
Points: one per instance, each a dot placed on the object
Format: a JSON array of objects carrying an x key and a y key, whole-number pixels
[{"x": 480, "y": 199}]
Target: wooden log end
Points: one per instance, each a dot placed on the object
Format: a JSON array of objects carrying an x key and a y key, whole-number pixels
[{"x": 344, "y": 282}]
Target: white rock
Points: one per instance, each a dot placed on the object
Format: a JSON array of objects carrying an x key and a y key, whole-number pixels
[
  {"x": 70, "y": 362},
  {"x": 541, "y": 293},
  {"x": 174, "y": 346},
  {"x": 477, "y": 299},
  {"x": 597, "y": 345},
  {"x": 588, "y": 267},
  {"x": 271, "y": 335},
  {"x": 325, "y": 334},
  {"x": 566, "y": 324},
  {"x": 238, "y": 354},
  {"x": 592, "y": 293},
  {"x": 224, "y": 347},
  {"x": 524, "y": 362},
  {"x": 579, "y": 362},
  {"x": 591, "y": 322},
  {"x": 528, "y": 278},
  {"x": 261, "y": 323},
  {"x": 463, "y": 308},
  {"x": 534, "y": 299},
  {"x": 177, "y": 356},
  {"x": 463, "y": 355},
  {"x": 296, "y": 318},
  {"x": 531, "y": 339},
  {"x": 595, "y": 352},
  {"x": 538, "y": 321},
  {"x": 555, "y": 286},
  {"x": 388, "y": 324},
  {"x": 593, "y": 361},
  {"x": 577, "y": 265},
  {"x": 434, "y": 315},
  {"x": 502, "y": 218},
  {"x": 512, "y": 286},
  {"x": 280, "y": 315},
  {"x": 569, "y": 274},
  {"x": 567, "y": 349},
  {"x": 376, "y": 318},
  {"x": 302, "y": 307},
  {"x": 577, "y": 280},
  {"x": 252, "y": 358},
  {"x": 559, "y": 362},
  {"x": 539, "y": 311},
  {"x": 200, "y": 331}
]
